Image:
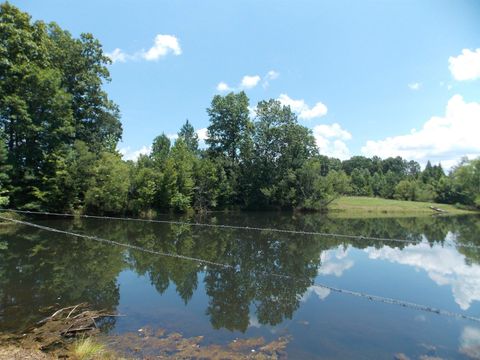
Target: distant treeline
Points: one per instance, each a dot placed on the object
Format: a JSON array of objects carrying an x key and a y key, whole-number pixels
[{"x": 60, "y": 132}]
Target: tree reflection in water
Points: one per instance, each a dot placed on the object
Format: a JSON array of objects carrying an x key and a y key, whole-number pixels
[{"x": 39, "y": 270}]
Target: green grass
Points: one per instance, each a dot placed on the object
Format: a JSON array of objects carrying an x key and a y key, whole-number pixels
[
  {"x": 87, "y": 349},
  {"x": 358, "y": 206}
]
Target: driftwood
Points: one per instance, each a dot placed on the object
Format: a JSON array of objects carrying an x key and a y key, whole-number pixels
[{"x": 56, "y": 330}]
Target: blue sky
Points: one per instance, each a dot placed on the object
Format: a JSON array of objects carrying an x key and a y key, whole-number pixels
[{"x": 369, "y": 77}]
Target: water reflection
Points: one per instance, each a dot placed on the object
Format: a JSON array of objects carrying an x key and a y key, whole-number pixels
[
  {"x": 39, "y": 269},
  {"x": 335, "y": 262},
  {"x": 444, "y": 265},
  {"x": 470, "y": 342}
]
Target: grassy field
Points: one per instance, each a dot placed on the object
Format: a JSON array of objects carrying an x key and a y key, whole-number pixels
[{"x": 356, "y": 206}]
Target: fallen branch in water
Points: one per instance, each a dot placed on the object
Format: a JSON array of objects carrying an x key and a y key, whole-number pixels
[{"x": 57, "y": 330}]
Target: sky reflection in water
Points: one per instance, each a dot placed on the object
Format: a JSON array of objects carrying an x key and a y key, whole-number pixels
[{"x": 39, "y": 269}]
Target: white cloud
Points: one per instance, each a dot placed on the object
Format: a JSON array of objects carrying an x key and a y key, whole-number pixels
[
  {"x": 334, "y": 130},
  {"x": 320, "y": 291},
  {"x": 414, "y": 86},
  {"x": 222, "y": 86},
  {"x": 452, "y": 271},
  {"x": 202, "y": 134},
  {"x": 129, "y": 154},
  {"x": 303, "y": 110},
  {"x": 271, "y": 75},
  {"x": 331, "y": 139},
  {"x": 318, "y": 110},
  {"x": 465, "y": 66},
  {"x": 117, "y": 55},
  {"x": 172, "y": 137},
  {"x": 163, "y": 45},
  {"x": 334, "y": 262},
  {"x": 470, "y": 342},
  {"x": 249, "y": 82},
  {"x": 295, "y": 105},
  {"x": 441, "y": 139}
]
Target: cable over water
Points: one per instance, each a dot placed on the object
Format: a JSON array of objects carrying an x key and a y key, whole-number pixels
[
  {"x": 237, "y": 227},
  {"x": 370, "y": 297}
]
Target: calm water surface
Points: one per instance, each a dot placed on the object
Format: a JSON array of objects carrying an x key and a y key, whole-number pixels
[{"x": 39, "y": 269}]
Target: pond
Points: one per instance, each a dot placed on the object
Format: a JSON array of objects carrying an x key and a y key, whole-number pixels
[{"x": 326, "y": 296}]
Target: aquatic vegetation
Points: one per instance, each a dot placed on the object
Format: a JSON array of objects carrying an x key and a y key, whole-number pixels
[{"x": 160, "y": 344}]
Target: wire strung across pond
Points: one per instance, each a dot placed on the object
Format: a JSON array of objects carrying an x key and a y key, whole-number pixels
[
  {"x": 237, "y": 227},
  {"x": 370, "y": 297}
]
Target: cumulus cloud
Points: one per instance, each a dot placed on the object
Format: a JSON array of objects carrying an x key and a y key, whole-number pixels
[
  {"x": 222, "y": 86},
  {"x": 271, "y": 75},
  {"x": 295, "y": 105},
  {"x": 117, "y": 55},
  {"x": 334, "y": 262},
  {"x": 442, "y": 139},
  {"x": 331, "y": 139},
  {"x": 202, "y": 134},
  {"x": 414, "y": 86},
  {"x": 465, "y": 66},
  {"x": 452, "y": 271},
  {"x": 470, "y": 342},
  {"x": 163, "y": 45},
  {"x": 319, "y": 291},
  {"x": 302, "y": 109},
  {"x": 334, "y": 130},
  {"x": 318, "y": 110},
  {"x": 249, "y": 82},
  {"x": 130, "y": 154}
]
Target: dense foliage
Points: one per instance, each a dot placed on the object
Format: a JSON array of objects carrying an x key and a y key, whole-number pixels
[{"x": 59, "y": 132}]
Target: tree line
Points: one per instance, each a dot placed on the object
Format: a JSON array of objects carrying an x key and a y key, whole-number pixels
[{"x": 59, "y": 133}]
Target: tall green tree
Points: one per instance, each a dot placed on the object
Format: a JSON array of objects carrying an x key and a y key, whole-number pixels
[
  {"x": 466, "y": 177},
  {"x": 108, "y": 190},
  {"x": 160, "y": 150},
  {"x": 362, "y": 182},
  {"x": 230, "y": 126},
  {"x": 144, "y": 187},
  {"x": 208, "y": 178},
  {"x": 189, "y": 136},
  {"x": 280, "y": 148},
  {"x": 82, "y": 64},
  {"x": 183, "y": 162},
  {"x": 50, "y": 96}
]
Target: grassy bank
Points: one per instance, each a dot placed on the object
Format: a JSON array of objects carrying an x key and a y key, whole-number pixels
[{"x": 357, "y": 206}]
